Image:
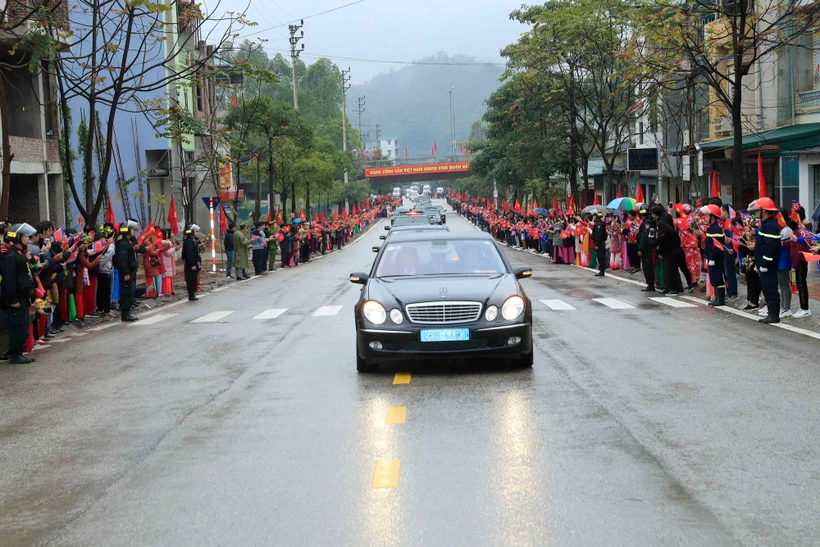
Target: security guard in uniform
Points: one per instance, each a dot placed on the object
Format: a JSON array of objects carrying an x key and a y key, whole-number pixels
[
  {"x": 599, "y": 236},
  {"x": 191, "y": 260},
  {"x": 646, "y": 244},
  {"x": 767, "y": 256},
  {"x": 18, "y": 286},
  {"x": 125, "y": 260},
  {"x": 714, "y": 251}
]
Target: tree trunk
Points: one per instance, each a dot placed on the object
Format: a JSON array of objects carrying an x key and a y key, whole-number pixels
[
  {"x": 257, "y": 209},
  {"x": 293, "y": 198},
  {"x": 7, "y": 155}
]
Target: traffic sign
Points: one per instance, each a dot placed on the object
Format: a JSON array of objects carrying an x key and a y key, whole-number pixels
[{"x": 211, "y": 201}]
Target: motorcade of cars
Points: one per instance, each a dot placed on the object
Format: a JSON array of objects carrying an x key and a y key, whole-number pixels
[{"x": 442, "y": 296}]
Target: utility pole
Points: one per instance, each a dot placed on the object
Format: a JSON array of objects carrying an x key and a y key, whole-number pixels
[
  {"x": 378, "y": 136},
  {"x": 294, "y": 54},
  {"x": 345, "y": 87},
  {"x": 361, "y": 110}
]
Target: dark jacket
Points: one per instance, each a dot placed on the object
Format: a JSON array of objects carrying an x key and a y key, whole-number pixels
[
  {"x": 668, "y": 242},
  {"x": 716, "y": 242},
  {"x": 190, "y": 253},
  {"x": 228, "y": 241},
  {"x": 125, "y": 258},
  {"x": 18, "y": 281},
  {"x": 646, "y": 235},
  {"x": 599, "y": 234},
  {"x": 768, "y": 246}
]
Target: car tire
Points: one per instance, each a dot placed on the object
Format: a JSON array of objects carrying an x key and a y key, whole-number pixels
[
  {"x": 362, "y": 366},
  {"x": 526, "y": 361}
]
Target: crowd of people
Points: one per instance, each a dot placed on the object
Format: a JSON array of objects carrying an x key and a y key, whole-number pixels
[
  {"x": 709, "y": 244},
  {"x": 50, "y": 276}
]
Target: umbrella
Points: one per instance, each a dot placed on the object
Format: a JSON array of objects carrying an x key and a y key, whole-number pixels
[
  {"x": 623, "y": 204},
  {"x": 541, "y": 211},
  {"x": 296, "y": 220},
  {"x": 594, "y": 209}
]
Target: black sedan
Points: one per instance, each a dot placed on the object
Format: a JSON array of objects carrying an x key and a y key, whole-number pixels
[{"x": 442, "y": 296}]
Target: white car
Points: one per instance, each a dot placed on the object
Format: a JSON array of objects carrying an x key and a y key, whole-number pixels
[{"x": 397, "y": 192}]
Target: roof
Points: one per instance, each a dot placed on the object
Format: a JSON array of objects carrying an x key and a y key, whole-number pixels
[
  {"x": 441, "y": 236},
  {"x": 420, "y": 228},
  {"x": 788, "y": 138}
]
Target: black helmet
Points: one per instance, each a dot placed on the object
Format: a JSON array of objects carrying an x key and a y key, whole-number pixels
[
  {"x": 17, "y": 231},
  {"x": 191, "y": 228},
  {"x": 128, "y": 225}
]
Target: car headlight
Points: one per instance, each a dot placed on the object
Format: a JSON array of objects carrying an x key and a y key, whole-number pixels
[
  {"x": 513, "y": 307},
  {"x": 374, "y": 312},
  {"x": 491, "y": 313},
  {"x": 396, "y": 316}
]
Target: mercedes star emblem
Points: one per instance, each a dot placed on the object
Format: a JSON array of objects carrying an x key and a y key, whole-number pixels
[{"x": 443, "y": 292}]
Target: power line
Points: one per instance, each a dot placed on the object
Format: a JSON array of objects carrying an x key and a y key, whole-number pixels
[
  {"x": 260, "y": 31},
  {"x": 383, "y": 61}
]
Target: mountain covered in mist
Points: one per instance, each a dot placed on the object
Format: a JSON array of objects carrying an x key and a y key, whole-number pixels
[{"x": 412, "y": 103}]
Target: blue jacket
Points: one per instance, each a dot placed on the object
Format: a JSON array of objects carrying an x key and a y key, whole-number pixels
[{"x": 767, "y": 246}]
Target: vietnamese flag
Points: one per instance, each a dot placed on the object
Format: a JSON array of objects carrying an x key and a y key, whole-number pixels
[
  {"x": 639, "y": 197},
  {"x": 555, "y": 204},
  {"x": 172, "y": 217},
  {"x": 517, "y": 207},
  {"x": 761, "y": 180},
  {"x": 571, "y": 204},
  {"x": 529, "y": 210},
  {"x": 335, "y": 216},
  {"x": 302, "y": 214},
  {"x": 279, "y": 220},
  {"x": 270, "y": 216},
  {"x": 534, "y": 203},
  {"x": 715, "y": 191},
  {"x": 597, "y": 200},
  {"x": 504, "y": 206},
  {"x": 109, "y": 215},
  {"x": 344, "y": 213},
  {"x": 620, "y": 194}
]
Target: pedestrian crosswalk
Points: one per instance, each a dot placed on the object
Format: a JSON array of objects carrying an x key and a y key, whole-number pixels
[
  {"x": 326, "y": 311},
  {"x": 213, "y": 317},
  {"x": 270, "y": 314},
  {"x": 153, "y": 320},
  {"x": 614, "y": 303}
]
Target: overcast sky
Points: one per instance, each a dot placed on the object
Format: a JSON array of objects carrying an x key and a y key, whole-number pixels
[{"x": 387, "y": 30}]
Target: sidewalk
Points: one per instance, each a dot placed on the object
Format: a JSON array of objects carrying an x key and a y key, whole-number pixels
[{"x": 808, "y": 326}]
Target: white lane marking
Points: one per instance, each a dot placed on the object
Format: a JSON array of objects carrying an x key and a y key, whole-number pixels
[
  {"x": 755, "y": 317},
  {"x": 325, "y": 311},
  {"x": 270, "y": 314},
  {"x": 103, "y": 327},
  {"x": 671, "y": 302},
  {"x": 154, "y": 319},
  {"x": 556, "y": 305},
  {"x": 213, "y": 317},
  {"x": 614, "y": 304}
]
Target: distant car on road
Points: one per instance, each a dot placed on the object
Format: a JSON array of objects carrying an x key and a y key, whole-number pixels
[
  {"x": 440, "y": 192},
  {"x": 415, "y": 228},
  {"x": 434, "y": 214},
  {"x": 442, "y": 295},
  {"x": 396, "y": 192},
  {"x": 424, "y": 200},
  {"x": 409, "y": 220}
]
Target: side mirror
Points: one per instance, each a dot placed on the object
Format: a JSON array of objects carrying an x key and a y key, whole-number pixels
[
  {"x": 359, "y": 278},
  {"x": 376, "y": 249},
  {"x": 387, "y": 228},
  {"x": 523, "y": 273}
]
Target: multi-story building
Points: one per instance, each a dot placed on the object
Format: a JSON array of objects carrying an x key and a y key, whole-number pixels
[{"x": 36, "y": 186}]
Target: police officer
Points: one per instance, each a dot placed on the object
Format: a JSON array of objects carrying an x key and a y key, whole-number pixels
[
  {"x": 767, "y": 256},
  {"x": 191, "y": 260},
  {"x": 646, "y": 244},
  {"x": 18, "y": 288},
  {"x": 125, "y": 260},
  {"x": 599, "y": 236},
  {"x": 714, "y": 252}
]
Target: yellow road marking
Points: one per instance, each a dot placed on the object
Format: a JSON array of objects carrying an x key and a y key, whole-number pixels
[
  {"x": 396, "y": 415},
  {"x": 386, "y": 474},
  {"x": 401, "y": 378}
]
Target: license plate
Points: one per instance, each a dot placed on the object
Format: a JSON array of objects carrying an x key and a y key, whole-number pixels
[{"x": 445, "y": 335}]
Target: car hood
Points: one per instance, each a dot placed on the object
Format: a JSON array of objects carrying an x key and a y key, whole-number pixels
[{"x": 490, "y": 289}]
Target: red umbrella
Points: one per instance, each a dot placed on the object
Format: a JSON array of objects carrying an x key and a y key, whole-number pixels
[
  {"x": 715, "y": 192},
  {"x": 639, "y": 197}
]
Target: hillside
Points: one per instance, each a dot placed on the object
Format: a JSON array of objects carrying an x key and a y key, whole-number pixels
[{"x": 412, "y": 103}]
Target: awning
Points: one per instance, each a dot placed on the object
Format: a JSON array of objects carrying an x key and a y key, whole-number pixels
[
  {"x": 596, "y": 167},
  {"x": 787, "y": 139}
]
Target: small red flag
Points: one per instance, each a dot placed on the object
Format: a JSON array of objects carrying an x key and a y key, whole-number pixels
[
  {"x": 302, "y": 214},
  {"x": 172, "y": 217},
  {"x": 597, "y": 200},
  {"x": 335, "y": 216},
  {"x": 715, "y": 191},
  {"x": 534, "y": 203},
  {"x": 517, "y": 207},
  {"x": 639, "y": 197},
  {"x": 270, "y": 215},
  {"x": 761, "y": 180},
  {"x": 223, "y": 220},
  {"x": 344, "y": 213},
  {"x": 620, "y": 194}
]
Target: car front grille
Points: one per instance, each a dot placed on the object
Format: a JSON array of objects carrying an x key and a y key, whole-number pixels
[{"x": 443, "y": 313}]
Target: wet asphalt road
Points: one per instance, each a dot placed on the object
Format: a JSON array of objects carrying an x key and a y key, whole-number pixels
[{"x": 644, "y": 426}]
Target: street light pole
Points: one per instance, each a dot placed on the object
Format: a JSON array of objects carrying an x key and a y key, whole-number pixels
[
  {"x": 294, "y": 54},
  {"x": 345, "y": 87}
]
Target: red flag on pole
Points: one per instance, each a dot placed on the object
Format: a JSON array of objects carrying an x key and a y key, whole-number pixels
[
  {"x": 302, "y": 214},
  {"x": 571, "y": 204},
  {"x": 517, "y": 207},
  {"x": 279, "y": 219},
  {"x": 344, "y": 213},
  {"x": 555, "y": 204},
  {"x": 597, "y": 200},
  {"x": 639, "y": 197},
  {"x": 715, "y": 190},
  {"x": 335, "y": 216},
  {"x": 223, "y": 220},
  {"x": 534, "y": 203},
  {"x": 529, "y": 210},
  {"x": 761, "y": 180},
  {"x": 270, "y": 215},
  {"x": 109, "y": 216},
  {"x": 173, "y": 223},
  {"x": 620, "y": 194},
  {"x": 504, "y": 206}
]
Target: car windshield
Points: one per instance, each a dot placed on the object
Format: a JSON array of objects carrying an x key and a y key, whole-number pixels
[
  {"x": 410, "y": 220},
  {"x": 440, "y": 257}
]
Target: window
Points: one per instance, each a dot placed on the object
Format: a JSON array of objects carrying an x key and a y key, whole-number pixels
[
  {"x": 640, "y": 132},
  {"x": 440, "y": 257},
  {"x": 199, "y": 105}
]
